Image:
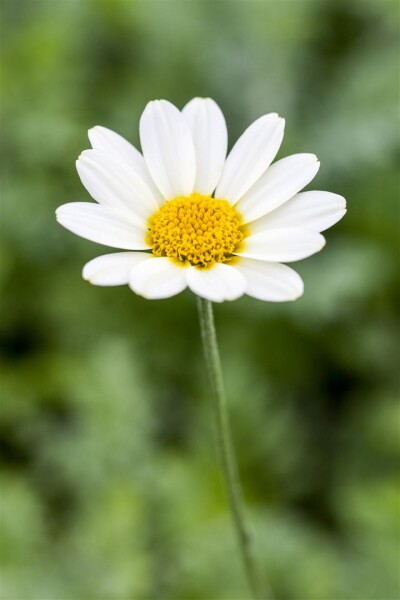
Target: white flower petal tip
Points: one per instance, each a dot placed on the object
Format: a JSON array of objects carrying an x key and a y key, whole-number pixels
[
  {"x": 269, "y": 281},
  {"x": 103, "y": 224},
  {"x": 115, "y": 183},
  {"x": 308, "y": 210},
  {"x": 282, "y": 245},
  {"x": 281, "y": 181},
  {"x": 168, "y": 148},
  {"x": 112, "y": 269},
  {"x": 106, "y": 140},
  {"x": 157, "y": 278},
  {"x": 218, "y": 283},
  {"x": 210, "y": 137},
  {"x": 112, "y": 144},
  {"x": 250, "y": 157}
]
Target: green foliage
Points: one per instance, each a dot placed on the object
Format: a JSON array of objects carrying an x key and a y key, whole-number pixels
[{"x": 110, "y": 484}]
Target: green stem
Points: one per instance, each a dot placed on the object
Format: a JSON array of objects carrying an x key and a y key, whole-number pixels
[{"x": 225, "y": 444}]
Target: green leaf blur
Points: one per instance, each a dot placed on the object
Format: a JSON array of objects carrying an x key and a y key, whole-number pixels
[{"x": 111, "y": 488}]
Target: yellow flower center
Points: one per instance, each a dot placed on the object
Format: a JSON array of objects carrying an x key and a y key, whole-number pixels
[{"x": 197, "y": 229}]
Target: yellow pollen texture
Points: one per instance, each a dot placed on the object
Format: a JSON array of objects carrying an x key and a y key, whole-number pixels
[{"x": 197, "y": 229}]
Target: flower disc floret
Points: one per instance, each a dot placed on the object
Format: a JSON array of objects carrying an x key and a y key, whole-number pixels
[{"x": 196, "y": 229}]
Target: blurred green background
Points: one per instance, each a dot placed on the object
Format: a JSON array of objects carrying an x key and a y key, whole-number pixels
[{"x": 110, "y": 484}]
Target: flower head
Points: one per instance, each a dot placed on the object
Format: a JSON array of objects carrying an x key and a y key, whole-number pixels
[{"x": 188, "y": 216}]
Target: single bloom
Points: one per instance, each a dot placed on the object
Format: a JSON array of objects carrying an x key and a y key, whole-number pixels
[{"x": 187, "y": 215}]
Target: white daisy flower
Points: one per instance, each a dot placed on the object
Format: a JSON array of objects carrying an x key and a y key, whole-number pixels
[{"x": 188, "y": 216}]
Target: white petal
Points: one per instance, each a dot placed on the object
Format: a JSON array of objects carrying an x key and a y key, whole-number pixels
[
  {"x": 282, "y": 245},
  {"x": 282, "y": 180},
  {"x": 168, "y": 149},
  {"x": 218, "y": 283},
  {"x": 310, "y": 210},
  {"x": 104, "y": 225},
  {"x": 250, "y": 157},
  {"x": 158, "y": 278},
  {"x": 114, "y": 183},
  {"x": 210, "y": 137},
  {"x": 270, "y": 281},
  {"x": 112, "y": 269},
  {"x": 108, "y": 141}
]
